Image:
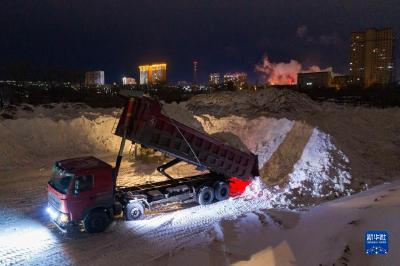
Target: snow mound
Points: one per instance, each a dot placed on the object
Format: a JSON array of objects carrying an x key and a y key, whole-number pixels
[
  {"x": 178, "y": 113},
  {"x": 298, "y": 161},
  {"x": 362, "y": 140},
  {"x": 31, "y": 140},
  {"x": 264, "y": 102},
  {"x": 56, "y": 111}
]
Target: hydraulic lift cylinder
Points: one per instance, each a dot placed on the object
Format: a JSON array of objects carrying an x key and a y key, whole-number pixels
[{"x": 122, "y": 145}]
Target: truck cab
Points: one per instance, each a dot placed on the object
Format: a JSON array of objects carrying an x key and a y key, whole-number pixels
[{"x": 81, "y": 189}]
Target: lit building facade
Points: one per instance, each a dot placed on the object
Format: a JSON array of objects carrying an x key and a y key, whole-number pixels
[
  {"x": 94, "y": 78},
  {"x": 321, "y": 79},
  {"x": 239, "y": 79},
  {"x": 128, "y": 81},
  {"x": 372, "y": 57},
  {"x": 153, "y": 74},
  {"x": 214, "y": 79}
]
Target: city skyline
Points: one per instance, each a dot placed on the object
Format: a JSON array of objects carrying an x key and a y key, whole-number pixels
[{"x": 109, "y": 36}]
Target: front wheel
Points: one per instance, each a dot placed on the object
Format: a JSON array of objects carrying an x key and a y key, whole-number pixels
[{"x": 96, "y": 221}]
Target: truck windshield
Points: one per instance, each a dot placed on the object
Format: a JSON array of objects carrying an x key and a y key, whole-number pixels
[{"x": 60, "y": 179}]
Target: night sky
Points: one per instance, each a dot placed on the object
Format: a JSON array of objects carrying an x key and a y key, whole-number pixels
[{"x": 223, "y": 35}]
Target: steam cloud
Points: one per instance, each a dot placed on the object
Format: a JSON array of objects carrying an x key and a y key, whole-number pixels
[{"x": 284, "y": 73}]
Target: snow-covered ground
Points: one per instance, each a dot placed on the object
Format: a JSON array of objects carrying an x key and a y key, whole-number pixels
[
  {"x": 308, "y": 153},
  {"x": 239, "y": 231}
]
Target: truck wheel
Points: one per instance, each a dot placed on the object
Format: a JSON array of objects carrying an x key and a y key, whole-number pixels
[
  {"x": 221, "y": 191},
  {"x": 205, "y": 195},
  {"x": 134, "y": 211},
  {"x": 96, "y": 221}
]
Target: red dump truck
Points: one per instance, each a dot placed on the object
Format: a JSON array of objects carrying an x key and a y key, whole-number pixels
[{"x": 83, "y": 192}]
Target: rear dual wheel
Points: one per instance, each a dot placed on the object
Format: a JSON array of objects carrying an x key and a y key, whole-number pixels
[
  {"x": 221, "y": 191},
  {"x": 207, "y": 194}
]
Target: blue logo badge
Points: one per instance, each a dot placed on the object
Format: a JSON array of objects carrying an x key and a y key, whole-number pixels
[{"x": 376, "y": 242}]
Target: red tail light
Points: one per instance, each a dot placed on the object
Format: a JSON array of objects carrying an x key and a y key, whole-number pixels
[{"x": 237, "y": 186}]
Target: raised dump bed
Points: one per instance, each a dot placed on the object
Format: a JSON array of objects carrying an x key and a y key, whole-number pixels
[{"x": 149, "y": 127}]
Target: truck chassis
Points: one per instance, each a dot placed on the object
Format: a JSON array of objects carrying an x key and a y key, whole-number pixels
[{"x": 204, "y": 189}]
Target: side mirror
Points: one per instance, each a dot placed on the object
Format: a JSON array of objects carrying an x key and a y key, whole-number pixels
[{"x": 76, "y": 187}]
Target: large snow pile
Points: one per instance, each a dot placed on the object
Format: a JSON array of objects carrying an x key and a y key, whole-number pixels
[
  {"x": 279, "y": 103},
  {"x": 57, "y": 132},
  {"x": 300, "y": 162},
  {"x": 178, "y": 113},
  {"x": 302, "y": 141}
]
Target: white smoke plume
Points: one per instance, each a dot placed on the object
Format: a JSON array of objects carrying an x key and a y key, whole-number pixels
[{"x": 284, "y": 73}]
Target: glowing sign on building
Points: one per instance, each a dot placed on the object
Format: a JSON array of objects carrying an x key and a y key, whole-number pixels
[{"x": 153, "y": 74}]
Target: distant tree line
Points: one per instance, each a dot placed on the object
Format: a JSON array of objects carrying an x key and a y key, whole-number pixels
[
  {"x": 100, "y": 96},
  {"x": 56, "y": 93}
]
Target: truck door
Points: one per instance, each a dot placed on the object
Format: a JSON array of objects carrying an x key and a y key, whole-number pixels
[{"x": 83, "y": 197}]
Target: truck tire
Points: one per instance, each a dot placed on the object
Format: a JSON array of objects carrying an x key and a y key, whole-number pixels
[
  {"x": 96, "y": 221},
  {"x": 221, "y": 191},
  {"x": 205, "y": 195},
  {"x": 134, "y": 211}
]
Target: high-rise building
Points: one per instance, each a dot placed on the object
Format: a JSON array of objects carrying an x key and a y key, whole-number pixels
[
  {"x": 128, "y": 81},
  {"x": 153, "y": 74},
  {"x": 239, "y": 79},
  {"x": 94, "y": 78},
  {"x": 372, "y": 57},
  {"x": 214, "y": 79}
]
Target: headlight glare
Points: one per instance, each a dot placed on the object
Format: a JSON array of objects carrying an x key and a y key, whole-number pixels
[{"x": 64, "y": 218}]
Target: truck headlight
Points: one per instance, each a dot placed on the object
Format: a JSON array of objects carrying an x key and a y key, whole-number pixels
[
  {"x": 52, "y": 213},
  {"x": 64, "y": 218}
]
